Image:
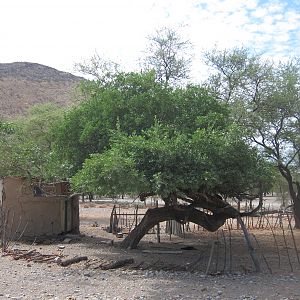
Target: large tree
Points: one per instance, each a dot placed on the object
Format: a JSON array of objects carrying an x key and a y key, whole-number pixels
[
  {"x": 265, "y": 99},
  {"x": 180, "y": 144}
]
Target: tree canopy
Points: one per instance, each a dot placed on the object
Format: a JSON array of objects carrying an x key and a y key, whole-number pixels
[
  {"x": 132, "y": 103},
  {"x": 168, "y": 163},
  {"x": 265, "y": 100},
  {"x": 138, "y": 136}
]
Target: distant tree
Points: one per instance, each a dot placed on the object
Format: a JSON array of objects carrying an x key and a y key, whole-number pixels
[
  {"x": 26, "y": 144},
  {"x": 169, "y": 55},
  {"x": 100, "y": 73},
  {"x": 237, "y": 75},
  {"x": 98, "y": 68},
  {"x": 266, "y": 100}
]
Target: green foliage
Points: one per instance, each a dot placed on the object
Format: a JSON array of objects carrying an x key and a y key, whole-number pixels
[
  {"x": 133, "y": 135},
  {"x": 133, "y": 103},
  {"x": 168, "y": 55},
  {"x": 265, "y": 100},
  {"x": 163, "y": 160},
  {"x": 26, "y": 144},
  {"x": 238, "y": 76},
  {"x": 109, "y": 173},
  {"x": 6, "y": 128},
  {"x": 100, "y": 69}
]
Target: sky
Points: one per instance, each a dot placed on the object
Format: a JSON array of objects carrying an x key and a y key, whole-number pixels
[{"x": 60, "y": 33}]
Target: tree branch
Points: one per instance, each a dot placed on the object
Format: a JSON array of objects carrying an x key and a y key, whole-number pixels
[{"x": 180, "y": 213}]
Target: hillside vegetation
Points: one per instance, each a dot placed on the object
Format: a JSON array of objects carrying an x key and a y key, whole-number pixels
[{"x": 24, "y": 84}]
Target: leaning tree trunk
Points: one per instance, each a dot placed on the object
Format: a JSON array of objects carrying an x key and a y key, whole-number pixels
[{"x": 179, "y": 213}]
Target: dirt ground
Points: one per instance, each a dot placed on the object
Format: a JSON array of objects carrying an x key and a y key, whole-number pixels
[{"x": 198, "y": 265}]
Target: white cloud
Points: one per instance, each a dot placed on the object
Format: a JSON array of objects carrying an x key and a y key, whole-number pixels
[{"x": 62, "y": 32}]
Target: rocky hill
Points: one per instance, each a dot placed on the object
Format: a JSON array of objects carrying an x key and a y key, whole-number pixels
[{"x": 24, "y": 84}]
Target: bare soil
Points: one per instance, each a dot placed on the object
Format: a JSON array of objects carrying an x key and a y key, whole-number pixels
[{"x": 175, "y": 268}]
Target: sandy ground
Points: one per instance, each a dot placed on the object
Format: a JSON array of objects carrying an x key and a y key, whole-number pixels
[{"x": 156, "y": 275}]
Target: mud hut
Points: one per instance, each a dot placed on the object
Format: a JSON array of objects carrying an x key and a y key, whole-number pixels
[{"x": 32, "y": 209}]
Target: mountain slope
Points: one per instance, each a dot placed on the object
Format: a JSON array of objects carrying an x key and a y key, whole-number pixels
[{"x": 24, "y": 84}]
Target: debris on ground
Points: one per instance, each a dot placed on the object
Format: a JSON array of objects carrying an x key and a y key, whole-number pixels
[{"x": 31, "y": 255}]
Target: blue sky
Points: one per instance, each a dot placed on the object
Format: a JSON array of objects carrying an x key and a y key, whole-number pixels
[{"x": 60, "y": 33}]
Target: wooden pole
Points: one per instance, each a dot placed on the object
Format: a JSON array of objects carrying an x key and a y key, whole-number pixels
[
  {"x": 262, "y": 254},
  {"x": 158, "y": 227},
  {"x": 230, "y": 251},
  {"x": 225, "y": 251},
  {"x": 249, "y": 245},
  {"x": 293, "y": 237},
  {"x": 210, "y": 257}
]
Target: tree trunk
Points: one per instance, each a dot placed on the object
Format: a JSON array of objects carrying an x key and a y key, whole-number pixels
[
  {"x": 297, "y": 211},
  {"x": 297, "y": 206},
  {"x": 181, "y": 214},
  {"x": 294, "y": 190}
]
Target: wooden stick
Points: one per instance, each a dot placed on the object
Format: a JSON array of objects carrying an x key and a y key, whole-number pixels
[
  {"x": 225, "y": 251},
  {"x": 158, "y": 228},
  {"x": 230, "y": 251},
  {"x": 73, "y": 260},
  {"x": 262, "y": 254},
  {"x": 276, "y": 243},
  {"x": 217, "y": 252},
  {"x": 210, "y": 257},
  {"x": 250, "y": 247},
  {"x": 286, "y": 248},
  {"x": 293, "y": 237},
  {"x": 28, "y": 253}
]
